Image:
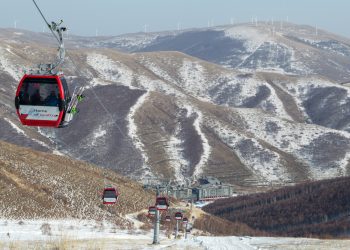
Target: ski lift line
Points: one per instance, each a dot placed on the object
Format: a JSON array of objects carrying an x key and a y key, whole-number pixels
[
  {"x": 47, "y": 23},
  {"x": 109, "y": 114},
  {"x": 106, "y": 110}
]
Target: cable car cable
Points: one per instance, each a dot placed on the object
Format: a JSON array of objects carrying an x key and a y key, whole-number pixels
[
  {"x": 111, "y": 116},
  {"x": 54, "y": 28},
  {"x": 107, "y": 111},
  {"x": 47, "y": 23}
]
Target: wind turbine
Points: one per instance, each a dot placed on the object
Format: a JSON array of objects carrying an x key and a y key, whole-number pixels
[
  {"x": 145, "y": 28},
  {"x": 232, "y": 21},
  {"x": 15, "y": 23},
  {"x": 178, "y": 26}
]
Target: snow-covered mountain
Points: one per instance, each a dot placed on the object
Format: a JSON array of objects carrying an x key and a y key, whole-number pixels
[
  {"x": 283, "y": 47},
  {"x": 266, "y": 108}
]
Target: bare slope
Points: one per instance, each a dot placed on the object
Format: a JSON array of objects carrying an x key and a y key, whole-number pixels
[
  {"x": 40, "y": 185},
  {"x": 311, "y": 209}
]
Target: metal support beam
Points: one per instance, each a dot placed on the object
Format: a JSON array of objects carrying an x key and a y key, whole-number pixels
[
  {"x": 156, "y": 223},
  {"x": 156, "y": 229},
  {"x": 177, "y": 229}
]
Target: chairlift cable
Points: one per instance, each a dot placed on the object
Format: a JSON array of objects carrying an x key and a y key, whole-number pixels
[
  {"x": 54, "y": 28},
  {"x": 111, "y": 116},
  {"x": 47, "y": 23}
]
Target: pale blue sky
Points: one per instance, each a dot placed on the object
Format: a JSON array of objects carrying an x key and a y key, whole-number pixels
[{"x": 114, "y": 17}]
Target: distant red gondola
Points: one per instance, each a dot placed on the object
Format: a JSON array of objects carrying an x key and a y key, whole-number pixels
[
  {"x": 167, "y": 218},
  {"x": 110, "y": 196},
  {"x": 184, "y": 220},
  {"x": 178, "y": 216},
  {"x": 162, "y": 203},
  {"x": 152, "y": 211}
]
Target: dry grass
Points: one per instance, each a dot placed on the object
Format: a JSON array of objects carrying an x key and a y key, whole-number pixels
[{"x": 58, "y": 187}]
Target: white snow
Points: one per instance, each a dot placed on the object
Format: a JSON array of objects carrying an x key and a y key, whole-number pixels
[
  {"x": 110, "y": 70},
  {"x": 7, "y": 66},
  {"x": 291, "y": 137},
  {"x": 133, "y": 132},
  {"x": 57, "y": 152},
  {"x": 302, "y": 88},
  {"x": 134, "y": 40},
  {"x": 21, "y": 131},
  {"x": 263, "y": 162},
  {"x": 99, "y": 134},
  {"x": 194, "y": 79},
  {"x": 174, "y": 151},
  {"x": 253, "y": 37},
  {"x": 15, "y": 127},
  {"x": 85, "y": 234},
  {"x": 98, "y": 82},
  {"x": 31, "y": 230}
]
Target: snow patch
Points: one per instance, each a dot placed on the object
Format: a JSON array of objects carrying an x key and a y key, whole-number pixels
[
  {"x": 47, "y": 230},
  {"x": 133, "y": 132},
  {"x": 291, "y": 137},
  {"x": 253, "y": 37},
  {"x": 263, "y": 162},
  {"x": 15, "y": 127},
  {"x": 175, "y": 153},
  {"x": 110, "y": 70},
  {"x": 8, "y": 66}
]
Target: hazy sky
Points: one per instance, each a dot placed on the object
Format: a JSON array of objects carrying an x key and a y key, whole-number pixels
[{"x": 114, "y": 17}]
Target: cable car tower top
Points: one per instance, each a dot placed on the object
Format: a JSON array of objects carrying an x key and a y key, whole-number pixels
[{"x": 57, "y": 32}]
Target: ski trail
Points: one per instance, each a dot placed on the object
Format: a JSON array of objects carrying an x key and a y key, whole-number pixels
[{"x": 133, "y": 132}]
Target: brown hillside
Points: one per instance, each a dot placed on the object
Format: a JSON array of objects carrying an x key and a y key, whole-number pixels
[
  {"x": 40, "y": 185},
  {"x": 319, "y": 209}
]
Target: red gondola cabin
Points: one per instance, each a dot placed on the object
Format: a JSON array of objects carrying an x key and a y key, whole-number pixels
[
  {"x": 162, "y": 203},
  {"x": 152, "y": 211},
  {"x": 41, "y": 100},
  {"x": 185, "y": 220},
  {"x": 178, "y": 216},
  {"x": 110, "y": 196},
  {"x": 167, "y": 218}
]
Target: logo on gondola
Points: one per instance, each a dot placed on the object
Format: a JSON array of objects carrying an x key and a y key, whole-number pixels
[{"x": 40, "y": 113}]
